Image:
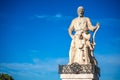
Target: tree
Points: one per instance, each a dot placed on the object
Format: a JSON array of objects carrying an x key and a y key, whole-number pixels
[{"x": 5, "y": 77}]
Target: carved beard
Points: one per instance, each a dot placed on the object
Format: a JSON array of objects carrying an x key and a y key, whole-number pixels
[{"x": 81, "y": 14}]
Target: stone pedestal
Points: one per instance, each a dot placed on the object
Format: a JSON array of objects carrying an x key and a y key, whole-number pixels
[
  {"x": 79, "y": 72},
  {"x": 78, "y": 77}
]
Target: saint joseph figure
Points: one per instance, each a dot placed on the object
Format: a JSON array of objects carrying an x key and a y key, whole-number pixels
[{"x": 81, "y": 39}]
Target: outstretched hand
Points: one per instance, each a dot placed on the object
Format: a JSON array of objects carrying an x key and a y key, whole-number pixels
[{"x": 98, "y": 24}]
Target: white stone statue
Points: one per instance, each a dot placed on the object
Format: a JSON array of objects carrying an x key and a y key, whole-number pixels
[{"x": 81, "y": 49}]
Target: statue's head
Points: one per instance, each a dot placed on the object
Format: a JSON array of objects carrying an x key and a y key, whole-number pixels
[{"x": 80, "y": 11}]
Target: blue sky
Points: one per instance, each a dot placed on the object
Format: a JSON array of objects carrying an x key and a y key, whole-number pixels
[{"x": 34, "y": 36}]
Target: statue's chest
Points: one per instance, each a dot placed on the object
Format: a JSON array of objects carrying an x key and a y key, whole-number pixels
[{"x": 80, "y": 24}]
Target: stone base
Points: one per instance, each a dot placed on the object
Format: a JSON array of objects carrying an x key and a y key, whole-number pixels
[
  {"x": 79, "y": 72},
  {"x": 78, "y": 77}
]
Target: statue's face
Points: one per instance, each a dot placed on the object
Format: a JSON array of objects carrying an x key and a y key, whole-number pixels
[{"x": 80, "y": 12}]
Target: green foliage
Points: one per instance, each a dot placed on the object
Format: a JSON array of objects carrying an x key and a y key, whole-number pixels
[{"x": 5, "y": 77}]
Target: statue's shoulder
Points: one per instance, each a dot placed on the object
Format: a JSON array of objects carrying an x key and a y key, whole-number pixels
[
  {"x": 86, "y": 18},
  {"x": 75, "y": 19}
]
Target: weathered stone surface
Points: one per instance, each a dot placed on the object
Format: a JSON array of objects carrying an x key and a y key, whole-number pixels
[
  {"x": 82, "y": 63},
  {"x": 77, "y": 76},
  {"x": 76, "y": 68},
  {"x": 81, "y": 49}
]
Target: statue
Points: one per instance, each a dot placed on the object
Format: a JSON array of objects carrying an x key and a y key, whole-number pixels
[
  {"x": 81, "y": 49},
  {"x": 82, "y": 63}
]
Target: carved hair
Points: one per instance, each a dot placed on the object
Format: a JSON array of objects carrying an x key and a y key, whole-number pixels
[{"x": 80, "y": 7}]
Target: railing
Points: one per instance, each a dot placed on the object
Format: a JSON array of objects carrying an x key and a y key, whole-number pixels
[{"x": 75, "y": 68}]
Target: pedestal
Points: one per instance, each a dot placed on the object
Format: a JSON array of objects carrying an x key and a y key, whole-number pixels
[
  {"x": 79, "y": 72},
  {"x": 78, "y": 77}
]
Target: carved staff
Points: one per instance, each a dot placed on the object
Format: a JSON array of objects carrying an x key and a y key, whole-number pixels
[
  {"x": 93, "y": 39},
  {"x": 93, "y": 43}
]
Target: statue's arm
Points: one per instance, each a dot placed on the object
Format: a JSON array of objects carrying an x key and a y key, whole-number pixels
[
  {"x": 70, "y": 29},
  {"x": 90, "y": 26}
]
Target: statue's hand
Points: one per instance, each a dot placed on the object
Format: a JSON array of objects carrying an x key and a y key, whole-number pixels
[
  {"x": 93, "y": 43},
  {"x": 98, "y": 24}
]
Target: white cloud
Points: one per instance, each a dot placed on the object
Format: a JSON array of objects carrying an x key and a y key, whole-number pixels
[
  {"x": 51, "y": 65},
  {"x": 57, "y": 16},
  {"x": 36, "y": 68},
  {"x": 109, "y": 59},
  {"x": 41, "y": 16},
  {"x": 109, "y": 65},
  {"x": 40, "y": 68}
]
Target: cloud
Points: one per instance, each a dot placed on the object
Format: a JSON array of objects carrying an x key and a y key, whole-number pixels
[
  {"x": 111, "y": 59},
  {"x": 36, "y": 68},
  {"x": 57, "y": 16},
  {"x": 41, "y": 16},
  {"x": 109, "y": 65},
  {"x": 49, "y": 16}
]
